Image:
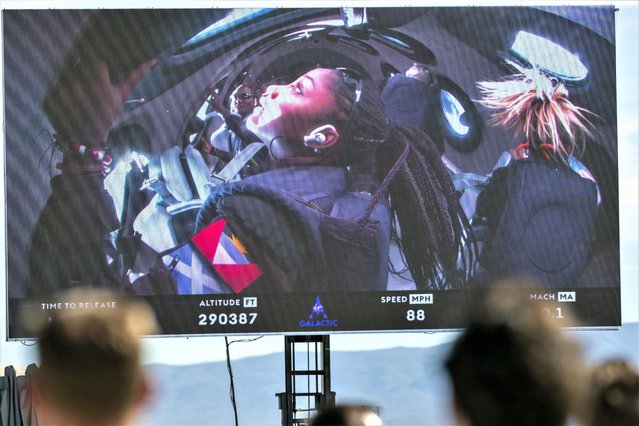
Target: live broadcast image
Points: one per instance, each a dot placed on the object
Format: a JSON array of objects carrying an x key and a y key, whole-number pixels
[{"x": 312, "y": 170}]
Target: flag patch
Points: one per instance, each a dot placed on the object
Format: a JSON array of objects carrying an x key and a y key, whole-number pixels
[
  {"x": 218, "y": 264},
  {"x": 227, "y": 256}
]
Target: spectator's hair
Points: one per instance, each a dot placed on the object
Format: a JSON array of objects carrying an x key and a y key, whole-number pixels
[
  {"x": 514, "y": 366},
  {"x": 347, "y": 415},
  {"x": 614, "y": 395},
  {"x": 90, "y": 356}
]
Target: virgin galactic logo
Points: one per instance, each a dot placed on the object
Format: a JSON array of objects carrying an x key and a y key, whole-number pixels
[{"x": 318, "y": 317}]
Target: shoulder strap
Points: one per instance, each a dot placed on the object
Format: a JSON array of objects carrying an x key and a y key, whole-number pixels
[{"x": 233, "y": 168}]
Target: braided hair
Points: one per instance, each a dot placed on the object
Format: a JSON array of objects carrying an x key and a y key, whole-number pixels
[{"x": 435, "y": 231}]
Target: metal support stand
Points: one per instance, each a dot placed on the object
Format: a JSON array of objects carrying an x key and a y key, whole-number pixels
[{"x": 308, "y": 379}]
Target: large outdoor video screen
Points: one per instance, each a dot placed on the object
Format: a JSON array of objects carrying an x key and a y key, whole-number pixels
[{"x": 311, "y": 170}]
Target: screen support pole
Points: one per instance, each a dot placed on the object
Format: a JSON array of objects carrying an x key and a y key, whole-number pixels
[{"x": 307, "y": 377}]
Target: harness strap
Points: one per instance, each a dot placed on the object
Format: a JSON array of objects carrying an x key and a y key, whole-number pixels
[{"x": 233, "y": 168}]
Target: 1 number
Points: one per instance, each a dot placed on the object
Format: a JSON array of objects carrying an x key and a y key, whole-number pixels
[{"x": 558, "y": 315}]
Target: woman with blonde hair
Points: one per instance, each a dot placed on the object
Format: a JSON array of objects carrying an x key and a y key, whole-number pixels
[{"x": 541, "y": 208}]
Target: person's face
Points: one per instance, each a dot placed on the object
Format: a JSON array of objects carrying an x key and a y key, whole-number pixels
[
  {"x": 419, "y": 72},
  {"x": 243, "y": 101},
  {"x": 293, "y": 110}
]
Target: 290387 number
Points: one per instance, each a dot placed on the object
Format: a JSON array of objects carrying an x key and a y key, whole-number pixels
[{"x": 227, "y": 319}]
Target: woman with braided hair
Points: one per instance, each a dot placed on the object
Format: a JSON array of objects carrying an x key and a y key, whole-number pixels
[
  {"x": 335, "y": 160},
  {"x": 541, "y": 208}
]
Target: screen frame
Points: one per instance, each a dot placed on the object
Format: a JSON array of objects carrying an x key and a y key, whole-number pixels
[{"x": 308, "y": 299}]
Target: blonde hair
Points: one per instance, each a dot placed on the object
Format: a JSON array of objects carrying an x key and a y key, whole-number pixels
[
  {"x": 90, "y": 355},
  {"x": 537, "y": 106},
  {"x": 614, "y": 394}
]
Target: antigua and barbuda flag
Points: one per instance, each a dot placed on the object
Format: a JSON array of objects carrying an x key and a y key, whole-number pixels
[{"x": 227, "y": 256}]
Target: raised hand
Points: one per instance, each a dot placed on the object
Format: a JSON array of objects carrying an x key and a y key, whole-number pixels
[{"x": 83, "y": 103}]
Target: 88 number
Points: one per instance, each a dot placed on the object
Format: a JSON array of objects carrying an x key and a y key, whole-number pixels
[{"x": 418, "y": 315}]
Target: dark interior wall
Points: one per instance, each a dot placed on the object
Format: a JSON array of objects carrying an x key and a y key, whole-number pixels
[{"x": 34, "y": 45}]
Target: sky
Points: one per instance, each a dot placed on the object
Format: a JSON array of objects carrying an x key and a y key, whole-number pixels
[{"x": 205, "y": 349}]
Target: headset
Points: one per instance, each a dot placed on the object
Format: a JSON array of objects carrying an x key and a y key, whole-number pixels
[{"x": 317, "y": 136}]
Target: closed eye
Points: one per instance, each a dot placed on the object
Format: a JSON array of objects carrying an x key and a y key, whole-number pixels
[{"x": 303, "y": 82}]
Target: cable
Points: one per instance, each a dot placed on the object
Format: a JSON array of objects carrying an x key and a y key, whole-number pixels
[
  {"x": 51, "y": 145},
  {"x": 232, "y": 387},
  {"x": 230, "y": 370},
  {"x": 244, "y": 340}
]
